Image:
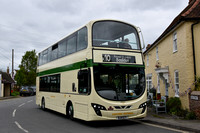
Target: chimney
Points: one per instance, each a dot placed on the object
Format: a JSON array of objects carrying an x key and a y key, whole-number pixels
[
  {"x": 190, "y": 1},
  {"x": 148, "y": 46},
  {"x": 7, "y": 70}
]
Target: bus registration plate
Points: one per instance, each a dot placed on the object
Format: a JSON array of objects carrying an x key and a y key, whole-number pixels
[{"x": 122, "y": 117}]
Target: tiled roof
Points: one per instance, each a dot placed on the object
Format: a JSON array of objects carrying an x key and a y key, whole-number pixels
[
  {"x": 6, "y": 78},
  {"x": 191, "y": 12}
]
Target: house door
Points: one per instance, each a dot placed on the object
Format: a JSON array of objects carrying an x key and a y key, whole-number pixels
[
  {"x": 166, "y": 89},
  {"x": 7, "y": 90}
]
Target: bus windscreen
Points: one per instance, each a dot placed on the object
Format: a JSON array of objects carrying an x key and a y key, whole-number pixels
[
  {"x": 119, "y": 83},
  {"x": 115, "y": 35}
]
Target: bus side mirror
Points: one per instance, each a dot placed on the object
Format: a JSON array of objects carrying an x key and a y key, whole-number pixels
[{"x": 141, "y": 37}]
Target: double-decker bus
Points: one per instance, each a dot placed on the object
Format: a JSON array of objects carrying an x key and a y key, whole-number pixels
[{"x": 95, "y": 73}]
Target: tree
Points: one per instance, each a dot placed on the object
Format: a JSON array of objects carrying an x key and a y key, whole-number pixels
[{"x": 26, "y": 75}]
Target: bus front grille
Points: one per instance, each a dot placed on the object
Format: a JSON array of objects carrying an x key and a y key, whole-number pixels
[{"x": 123, "y": 107}]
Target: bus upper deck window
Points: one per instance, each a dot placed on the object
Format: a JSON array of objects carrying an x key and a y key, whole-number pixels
[{"x": 115, "y": 35}]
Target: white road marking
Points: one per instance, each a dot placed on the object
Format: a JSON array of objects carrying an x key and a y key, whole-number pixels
[
  {"x": 19, "y": 126},
  {"x": 21, "y": 104},
  {"x": 14, "y": 112},
  {"x": 154, "y": 125},
  {"x": 29, "y": 101}
]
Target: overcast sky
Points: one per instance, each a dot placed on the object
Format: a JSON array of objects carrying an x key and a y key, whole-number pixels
[{"x": 36, "y": 24}]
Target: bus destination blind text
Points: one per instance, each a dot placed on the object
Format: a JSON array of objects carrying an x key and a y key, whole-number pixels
[{"x": 118, "y": 58}]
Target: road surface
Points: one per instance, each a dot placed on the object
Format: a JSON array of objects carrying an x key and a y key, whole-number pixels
[{"x": 22, "y": 115}]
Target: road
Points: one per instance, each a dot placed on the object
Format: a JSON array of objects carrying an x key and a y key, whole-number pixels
[{"x": 22, "y": 115}]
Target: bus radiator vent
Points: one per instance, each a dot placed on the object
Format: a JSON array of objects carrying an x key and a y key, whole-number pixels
[{"x": 123, "y": 107}]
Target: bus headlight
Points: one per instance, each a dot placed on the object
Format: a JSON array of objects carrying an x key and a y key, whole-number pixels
[
  {"x": 143, "y": 105},
  {"x": 97, "y": 108}
]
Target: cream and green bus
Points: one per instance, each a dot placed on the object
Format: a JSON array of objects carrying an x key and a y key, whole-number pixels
[{"x": 95, "y": 73}]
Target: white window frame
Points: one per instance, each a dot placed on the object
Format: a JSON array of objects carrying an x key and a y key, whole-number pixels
[
  {"x": 158, "y": 83},
  {"x": 157, "y": 57},
  {"x": 149, "y": 81},
  {"x": 147, "y": 59},
  {"x": 176, "y": 83},
  {"x": 175, "y": 46}
]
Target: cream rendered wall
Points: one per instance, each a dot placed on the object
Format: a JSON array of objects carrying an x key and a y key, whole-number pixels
[
  {"x": 182, "y": 60},
  {"x": 2, "y": 90},
  {"x": 197, "y": 47}
]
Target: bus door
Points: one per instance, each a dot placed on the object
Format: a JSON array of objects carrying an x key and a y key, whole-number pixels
[{"x": 84, "y": 89}]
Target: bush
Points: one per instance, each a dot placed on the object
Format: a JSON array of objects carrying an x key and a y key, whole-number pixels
[
  {"x": 174, "y": 105},
  {"x": 174, "y": 108},
  {"x": 190, "y": 116},
  {"x": 197, "y": 85},
  {"x": 182, "y": 113},
  {"x": 15, "y": 93}
]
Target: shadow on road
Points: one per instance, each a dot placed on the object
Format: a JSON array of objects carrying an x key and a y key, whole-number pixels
[
  {"x": 95, "y": 124},
  {"x": 101, "y": 124}
]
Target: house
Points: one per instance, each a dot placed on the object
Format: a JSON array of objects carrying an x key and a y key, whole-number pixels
[
  {"x": 5, "y": 84},
  {"x": 173, "y": 60}
]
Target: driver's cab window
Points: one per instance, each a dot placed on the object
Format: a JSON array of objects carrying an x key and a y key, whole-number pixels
[
  {"x": 131, "y": 41},
  {"x": 132, "y": 84},
  {"x": 84, "y": 81}
]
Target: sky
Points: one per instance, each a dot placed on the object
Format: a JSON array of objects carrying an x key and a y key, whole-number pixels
[{"x": 26, "y": 25}]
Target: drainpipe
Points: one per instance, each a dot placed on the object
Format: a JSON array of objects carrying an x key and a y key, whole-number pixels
[{"x": 193, "y": 47}]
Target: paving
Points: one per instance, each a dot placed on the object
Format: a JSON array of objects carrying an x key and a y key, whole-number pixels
[
  {"x": 165, "y": 119},
  {"x": 10, "y": 97}
]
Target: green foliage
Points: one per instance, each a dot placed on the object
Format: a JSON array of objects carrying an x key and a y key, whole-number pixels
[
  {"x": 182, "y": 113},
  {"x": 15, "y": 93},
  {"x": 190, "y": 116},
  {"x": 173, "y": 105},
  {"x": 26, "y": 75},
  {"x": 174, "y": 108},
  {"x": 197, "y": 85}
]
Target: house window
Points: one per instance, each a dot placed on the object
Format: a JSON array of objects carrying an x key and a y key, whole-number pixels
[
  {"x": 149, "y": 82},
  {"x": 176, "y": 81},
  {"x": 147, "y": 59},
  {"x": 175, "y": 42},
  {"x": 157, "y": 58},
  {"x": 158, "y": 83}
]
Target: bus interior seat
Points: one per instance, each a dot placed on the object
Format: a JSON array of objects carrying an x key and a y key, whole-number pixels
[
  {"x": 124, "y": 45},
  {"x": 112, "y": 44}
]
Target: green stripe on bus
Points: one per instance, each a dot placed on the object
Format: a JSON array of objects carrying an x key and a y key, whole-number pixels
[{"x": 82, "y": 64}]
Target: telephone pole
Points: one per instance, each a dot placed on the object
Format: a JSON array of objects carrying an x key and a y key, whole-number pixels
[{"x": 12, "y": 63}]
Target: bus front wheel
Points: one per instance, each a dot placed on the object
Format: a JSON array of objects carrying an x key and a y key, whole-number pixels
[
  {"x": 43, "y": 104},
  {"x": 70, "y": 112}
]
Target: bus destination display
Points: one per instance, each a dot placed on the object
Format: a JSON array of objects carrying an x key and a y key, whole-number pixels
[{"x": 118, "y": 58}]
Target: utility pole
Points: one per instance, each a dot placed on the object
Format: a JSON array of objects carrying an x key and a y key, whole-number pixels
[{"x": 12, "y": 63}]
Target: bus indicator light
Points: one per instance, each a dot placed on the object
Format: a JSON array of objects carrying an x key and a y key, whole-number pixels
[{"x": 97, "y": 108}]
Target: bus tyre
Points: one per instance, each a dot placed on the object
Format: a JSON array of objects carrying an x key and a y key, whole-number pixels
[
  {"x": 70, "y": 112},
  {"x": 43, "y": 104}
]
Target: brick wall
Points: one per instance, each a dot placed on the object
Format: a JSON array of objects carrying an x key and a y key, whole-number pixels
[{"x": 195, "y": 103}]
